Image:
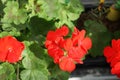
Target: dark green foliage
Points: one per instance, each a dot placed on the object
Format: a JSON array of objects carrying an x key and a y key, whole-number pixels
[{"x": 100, "y": 36}]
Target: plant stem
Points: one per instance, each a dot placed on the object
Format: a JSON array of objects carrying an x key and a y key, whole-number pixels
[{"x": 18, "y": 72}]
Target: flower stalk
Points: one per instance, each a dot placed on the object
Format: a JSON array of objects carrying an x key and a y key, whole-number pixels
[{"x": 18, "y": 72}]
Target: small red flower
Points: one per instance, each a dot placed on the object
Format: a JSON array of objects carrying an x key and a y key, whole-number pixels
[
  {"x": 112, "y": 54},
  {"x": 67, "y": 64},
  {"x": 10, "y": 49},
  {"x": 116, "y": 69}
]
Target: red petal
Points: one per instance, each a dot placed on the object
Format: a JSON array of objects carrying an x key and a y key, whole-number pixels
[
  {"x": 82, "y": 34},
  {"x": 78, "y": 36},
  {"x": 76, "y": 32},
  {"x": 116, "y": 45},
  {"x": 48, "y": 43},
  {"x": 52, "y": 50},
  {"x": 58, "y": 56},
  {"x": 86, "y": 43},
  {"x": 114, "y": 42},
  {"x": 51, "y": 35},
  {"x": 67, "y": 64},
  {"x": 68, "y": 44},
  {"x": 63, "y": 31},
  {"x": 55, "y": 52},
  {"x": 3, "y": 50},
  {"x": 76, "y": 54},
  {"x": 115, "y": 60},
  {"x": 58, "y": 40},
  {"x": 116, "y": 69},
  {"x": 109, "y": 53}
]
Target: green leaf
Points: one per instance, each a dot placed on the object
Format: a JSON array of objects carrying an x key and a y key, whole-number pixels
[
  {"x": 7, "y": 71},
  {"x": 31, "y": 62},
  {"x": 117, "y": 34},
  {"x": 75, "y": 9},
  {"x": 9, "y": 30},
  {"x": 100, "y": 36},
  {"x": 117, "y": 5},
  {"x": 35, "y": 68},
  {"x": 95, "y": 26},
  {"x": 68, "y": 12},
  {"x": 33, "y": 74},
  {"x": 36, "y": 8},
  {"x": 65, "y": 12},
  {"x": 50, "y": 8},
  {"x": 57, "y": 74},
  {"x": 40, "y": 26},
  {"x": 1, "y": 9},
  {"x": 13, "y": 14},
  {"x": 41, "y": 53}
]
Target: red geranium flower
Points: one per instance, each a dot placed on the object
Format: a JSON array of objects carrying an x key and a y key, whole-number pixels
[
  {"x": 112, "y": 54},
  {"x": 11, "y": 49},
  {"x": 67, "y": 51}
]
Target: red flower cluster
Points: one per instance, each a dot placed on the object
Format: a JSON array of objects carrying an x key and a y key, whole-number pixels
[
  {"x": 10, "y": 49},
  {"x": 112, "y": 54},
  {"x": 67, "y": 51}
]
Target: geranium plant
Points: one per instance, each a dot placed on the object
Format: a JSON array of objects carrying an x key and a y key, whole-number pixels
[{"x": 39, "y": 39}]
